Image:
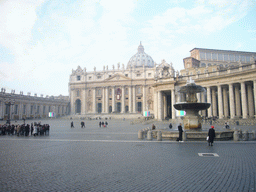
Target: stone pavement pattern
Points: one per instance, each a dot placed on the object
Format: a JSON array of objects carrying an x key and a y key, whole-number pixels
[{"x": 113, "y": 159}]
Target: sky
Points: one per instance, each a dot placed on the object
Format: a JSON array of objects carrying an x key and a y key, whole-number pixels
[{"x": 42, "y": 41}]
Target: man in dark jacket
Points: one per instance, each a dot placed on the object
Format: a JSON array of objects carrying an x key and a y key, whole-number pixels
[
  {"x": 211, "y": 134},
  {"x": 180, "y": 132}
]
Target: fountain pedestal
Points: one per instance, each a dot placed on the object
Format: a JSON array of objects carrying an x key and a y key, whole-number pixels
[{"x": 192, "y": 119}]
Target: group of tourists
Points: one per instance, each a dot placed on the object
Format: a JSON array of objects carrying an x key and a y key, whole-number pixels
[
  {"x": 25, "y": 129},
  {"x": 101, "y": 123}
]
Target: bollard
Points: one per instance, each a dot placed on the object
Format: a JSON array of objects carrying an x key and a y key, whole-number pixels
[
  {"x": 245, "y": 135},
  {"x": 253, "y": 135},
  {"x": 149, "y": 135},
  {"x": 140, "y": 134},
  {"x": 236, "y": 136},
  {"x": 159, "y": 136}
]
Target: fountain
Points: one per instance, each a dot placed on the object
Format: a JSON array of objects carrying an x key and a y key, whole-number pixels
[{"x": 192, "y": 120}]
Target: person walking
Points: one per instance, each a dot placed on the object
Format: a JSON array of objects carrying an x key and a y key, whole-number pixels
[
  {"x": 82, "y": 124},
  {"x": 153, "y": 127},
  {"x": 180, "y": 133},
  {"x": 170, "y": 126},
  {"x": 72, "y": 124},
  {"x": 211, "y": 135},
  {"x": 100, "y": 124}
]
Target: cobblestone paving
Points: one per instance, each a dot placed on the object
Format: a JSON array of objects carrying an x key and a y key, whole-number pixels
[{"x": 113, "y": 159}]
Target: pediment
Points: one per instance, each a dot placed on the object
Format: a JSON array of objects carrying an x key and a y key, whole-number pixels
[{"x": 118, "y": 77}]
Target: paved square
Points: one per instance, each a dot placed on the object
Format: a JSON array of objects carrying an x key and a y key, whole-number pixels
[{"x": 113, "y": 159}]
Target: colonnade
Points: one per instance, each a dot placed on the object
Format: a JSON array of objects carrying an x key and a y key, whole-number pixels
[
  {"x": 233, "y": 100},
  {"x": 105, "y": 99},
  {"x": 20, "y": 109}
]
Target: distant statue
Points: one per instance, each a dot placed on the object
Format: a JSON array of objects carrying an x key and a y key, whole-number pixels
[
  {"x": 118, "y": 65},
  {"x": 104, "y": 68},
  {"x": 122, "y": 66},
  {"x": 113, "y": 67},
  {"x": 85, "y": 69},
  {"x": 107, "y": 67},
  {"x": 94, "y": 68}
]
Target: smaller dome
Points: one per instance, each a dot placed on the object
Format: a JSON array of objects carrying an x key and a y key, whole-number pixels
[{"x": 140, "y": 59}]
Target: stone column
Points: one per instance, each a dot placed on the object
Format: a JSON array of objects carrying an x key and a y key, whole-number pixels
[
  {"x": 72, "y": 102},
  {"x": 254, "y": 92},
  {"x": 113, "y": 100},
  {"x": 231, "y": 101},
  {"x": 203, "y": 101},
  {"x": 209, "y": 101},
  {"x": 20, "y": 110},
  {"x": 144, "y": 104},
  {"x": 244, "y": 100},
  {"x": 83, "y": 101},
  {"x": 198, "y": 96},
  {"x": 237, "y": 100},
  {"x": 250, "y": 101},
  {"x": 225, "y": 102},
  {"x": 173, "y": 102},
  {"x": 155, "y": 104},
  {"x": 94, "y": 100},
  {"x": 107, "y": 100},
  {"x": 123, "y": 100},
  {"x": 160, "y": 105},
  {"x": 220, "y": 102},
  {"x": 134, "y": 99},
  {"x": 164, "y": 105},
  {"x": 103, "y": 100},
  {"x": 214, "y": 103},
  {"x": 130, "y": 99}
]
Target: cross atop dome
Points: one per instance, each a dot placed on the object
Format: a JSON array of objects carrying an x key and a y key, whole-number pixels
[{"x": 140, "y": 48}]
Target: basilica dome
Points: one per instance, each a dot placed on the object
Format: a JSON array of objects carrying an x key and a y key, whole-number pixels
[{"x": 140, "y": 59}]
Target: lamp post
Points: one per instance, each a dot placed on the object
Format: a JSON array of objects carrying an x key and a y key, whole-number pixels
[{"x": 9, "y": 102}]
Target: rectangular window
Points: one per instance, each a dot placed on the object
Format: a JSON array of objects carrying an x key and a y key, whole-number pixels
[
  {"x": 44, "y": 110},
  {"x": 220, "y": 57},
  {"x": 78, "y": 78},
  {"x": 126, "y": 75},
  {"x": 24, "y": 109},
  {"x": 38, "y": 109},
  {"x": 31, "y": 109},
  {"x": 98, "y": 77},
  {"x": 214, "y": 56},
  {"x": 138, "y": 75},
  {"x": 149, "y": 74},
  {"x": 248, "y": 59},
  {"x": 202, "y": 55},
  {"x": 243, "y": 58},
  {"x": 226, "y": 57},
  {"x": 16, "y": 109},
  {"x": 232, "y": 57},
  {"x": 208, "y": 56},
  {"x": 237, "y": 58},
  {"x": 90, "y": 78}
]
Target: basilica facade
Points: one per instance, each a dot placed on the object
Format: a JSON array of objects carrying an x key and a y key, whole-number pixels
[{"x": 229, "y": 78}]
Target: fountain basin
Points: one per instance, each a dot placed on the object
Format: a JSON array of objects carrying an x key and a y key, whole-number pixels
[{"x": 194, "y": 106}]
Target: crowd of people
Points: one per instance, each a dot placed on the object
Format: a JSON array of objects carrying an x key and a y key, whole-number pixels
[{"x": 34, "y": 129}]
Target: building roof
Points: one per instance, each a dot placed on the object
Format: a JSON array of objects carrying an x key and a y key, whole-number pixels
[{"x": 205, "y": 49}]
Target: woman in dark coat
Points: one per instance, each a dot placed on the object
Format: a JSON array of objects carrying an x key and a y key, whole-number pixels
[
  {"x": 211, "y": 134},
  {"x": 180, "y": 132}
]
